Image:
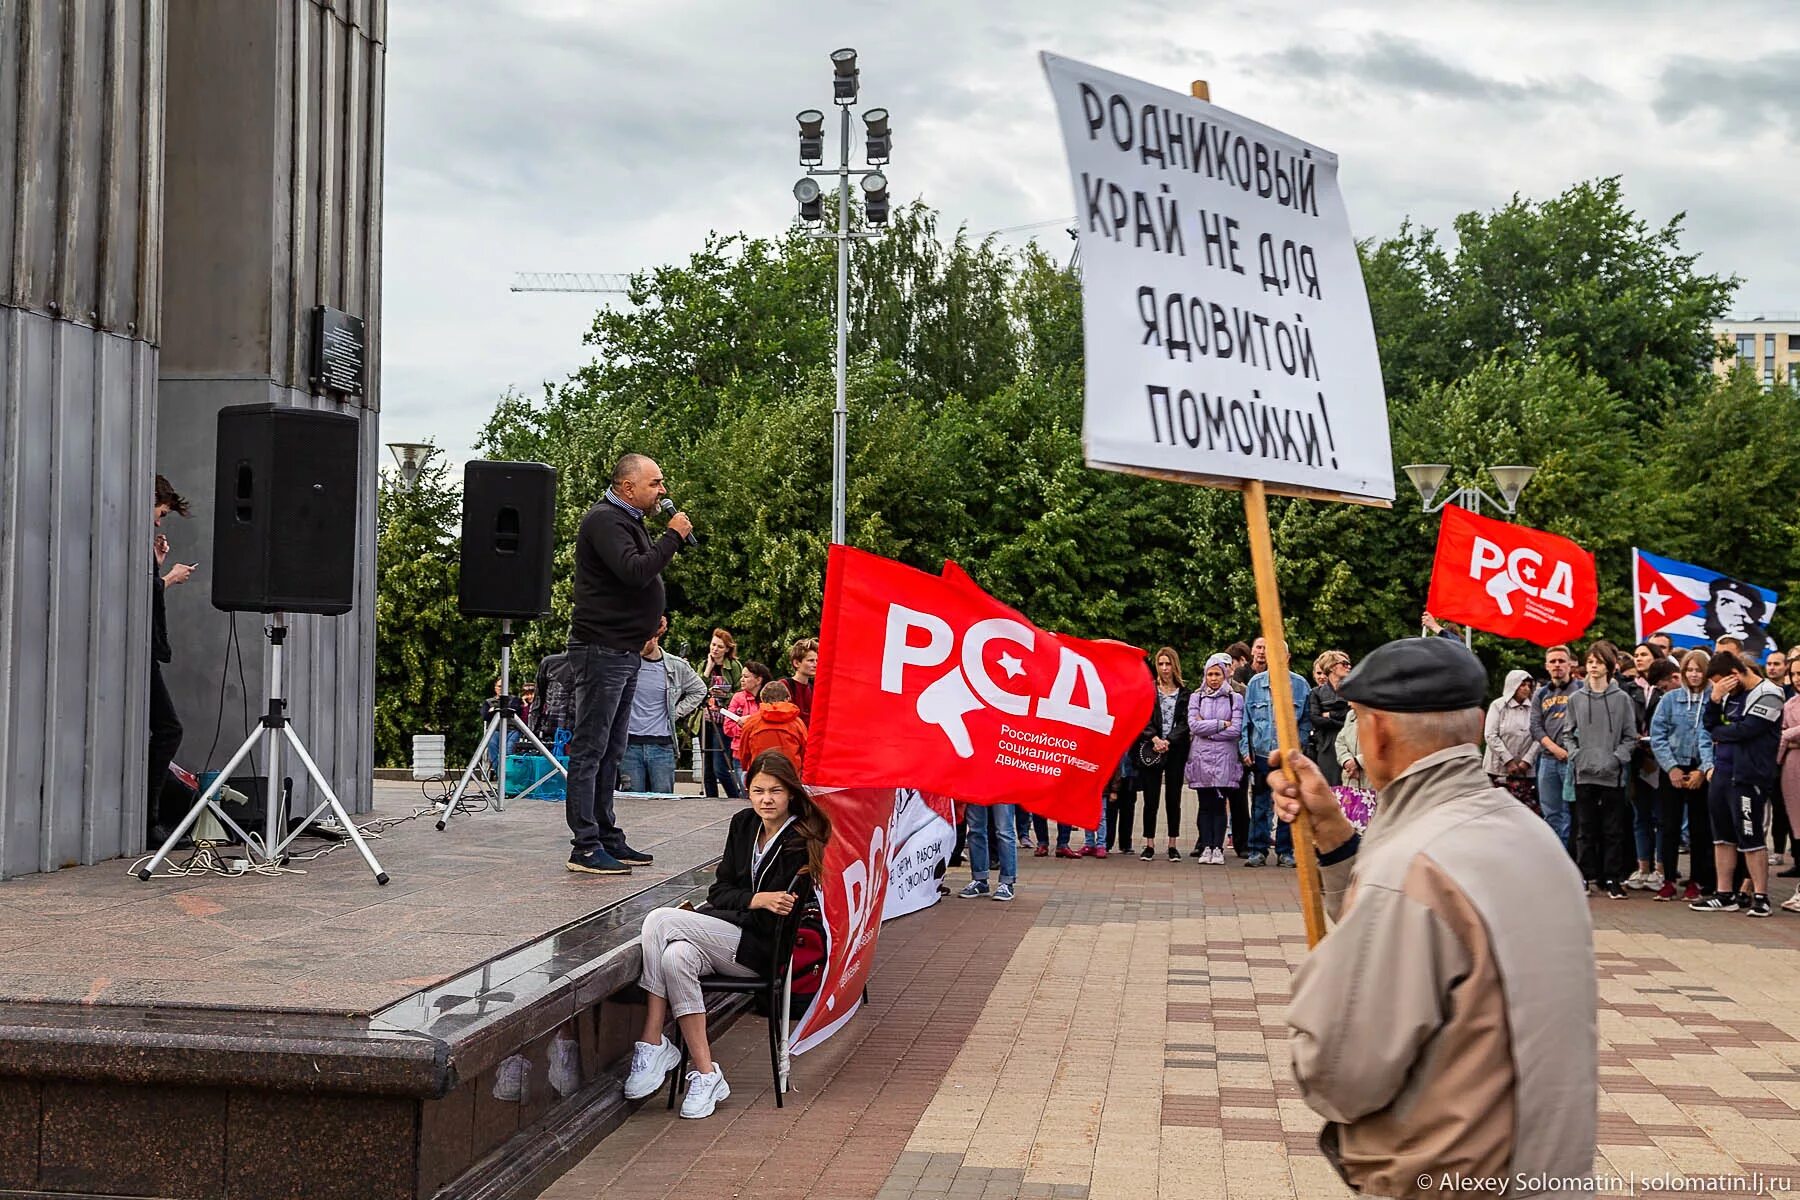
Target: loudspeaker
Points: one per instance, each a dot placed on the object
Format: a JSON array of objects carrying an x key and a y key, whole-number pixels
[
  {"x": 508, "y": 523},
  {"x": 284, "y": 510}
]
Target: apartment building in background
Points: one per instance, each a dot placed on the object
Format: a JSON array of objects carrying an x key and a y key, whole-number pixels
[{"x": 1767, "y": 345}]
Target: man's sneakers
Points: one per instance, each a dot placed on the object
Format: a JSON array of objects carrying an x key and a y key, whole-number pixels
[
  {"x": 597, "y": 862},
  {"x": 1667, "y": 891},
  {"x": 704, "y": 1092},
  {"x": 1255, "y": 860},
  {"x": 650, "y": 1065},
  {"x": 974, "y": 888},
  {"x": 1759, "y": 906},
  {"x": 1692, "y": 893},
  {"x": 1717, "y": 903},
  {"x": 1285, "y": 860},
  {"x": 1003, "y": 892},
  {"x": 633, "y": 858}
]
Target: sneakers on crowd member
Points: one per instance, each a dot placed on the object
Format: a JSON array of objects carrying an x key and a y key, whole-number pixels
[
  {"x": 1255, "y": 860},
  {"x": 1099, "y": 851},
  {"x": 650, "y": 1065},
  {"x": 1090, "y": 852},
  {"x": 1792, "y": 872},
  {"x": 1692, "y": 892},
  {"x": 704, "y": 1092},
  {"x": 1792, "y": 903},
  {"x": 1617, "y": 891},
  {"x": 1003, "y": 892},
  {"x": 1218, "y": 856},
  {"x": 1199, "y": 852},
  {"x": 1759, "y": 906},
  {"x": 1285, "y": 860},
  {"x": 596, "y": 862},
  {"x": 633, "y": 858},
  {"x": 972, "y": 889},
  {"x": 1667, "y": 892},
  {"x": 1716, "y": 903},
  {"x": 1066, "y": 852},
  {"x": 1653, "y": 881},
  {"x": 1042, "y": 851},
  {"x": 1635, "y": 881},
  {"x": 1149, "y": 851},
  {"x": 1025, "y": 842},
  {"x": 1775, "y": 860},
  {"x": 1124, "y": 847},
  {"x": 1174, "y": 853}
]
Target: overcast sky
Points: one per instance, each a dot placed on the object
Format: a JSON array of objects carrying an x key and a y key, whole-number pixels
[{"x": 611, "y": 135}]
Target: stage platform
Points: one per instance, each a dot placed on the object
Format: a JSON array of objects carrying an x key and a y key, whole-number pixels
[{"x": 460, "y": 1031}]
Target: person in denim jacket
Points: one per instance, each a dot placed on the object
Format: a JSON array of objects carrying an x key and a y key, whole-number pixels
[{"x": 1256, "y": 744}]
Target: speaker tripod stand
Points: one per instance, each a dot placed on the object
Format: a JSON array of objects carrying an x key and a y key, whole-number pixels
[
  {"x": 274, "y": 728},
  {"x": 505, "y": 719}
]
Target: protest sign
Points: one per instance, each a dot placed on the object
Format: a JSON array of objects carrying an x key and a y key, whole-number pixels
[{"x": 1226, "y": 325}]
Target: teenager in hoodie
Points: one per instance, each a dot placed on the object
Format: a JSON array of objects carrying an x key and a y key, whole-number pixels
[
  {"x": 776, "y": 726},
  {"x": 1215, "y": 718},
  {"x": 1601, "y": 735}
]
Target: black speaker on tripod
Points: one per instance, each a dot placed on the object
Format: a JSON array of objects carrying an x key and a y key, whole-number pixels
[
  {"x": 284, "y": 510},
  {"x": 508, "y": 531}
]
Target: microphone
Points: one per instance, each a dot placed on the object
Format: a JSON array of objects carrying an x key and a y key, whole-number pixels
[{"x": 666, "y": 507}]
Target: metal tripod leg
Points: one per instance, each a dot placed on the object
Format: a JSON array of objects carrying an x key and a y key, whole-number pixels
[
  {"x": 462, "y": 785},
  {"x": 337, "y": 807},
  {"x": 543, "y": 750},
  {"x": 204, "y": 802}
]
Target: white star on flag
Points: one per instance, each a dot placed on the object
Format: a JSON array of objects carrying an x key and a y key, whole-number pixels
[
  {"x": 1012, "y": 666},
  {"x": 1654, "y": 601}
]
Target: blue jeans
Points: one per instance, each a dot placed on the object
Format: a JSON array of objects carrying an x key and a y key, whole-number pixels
[
  {"x": 647, "y": 767},
  {"x": 604, "y": 682},
  {"x": 1643, "y": 819},
  {"x": 1552, "y": 774},
  {"x": 1089, "y": 837},
  {"x": 1005, "y": 830},
  {"x": 1263, "y": 824}
]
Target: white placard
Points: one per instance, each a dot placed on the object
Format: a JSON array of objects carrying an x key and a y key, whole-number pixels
[{"x": 1227, "y": 328}]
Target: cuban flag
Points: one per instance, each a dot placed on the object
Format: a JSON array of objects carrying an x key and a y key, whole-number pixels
[{"x": 1695, "y": 606}]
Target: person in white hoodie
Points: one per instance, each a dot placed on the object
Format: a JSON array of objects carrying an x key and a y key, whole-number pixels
[{"x": 1511, "y": 757}]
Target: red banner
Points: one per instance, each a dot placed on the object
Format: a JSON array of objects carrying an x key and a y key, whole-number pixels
[
  {"x": 931, "y": 683},
  {"x": 1510, "y": 580}
]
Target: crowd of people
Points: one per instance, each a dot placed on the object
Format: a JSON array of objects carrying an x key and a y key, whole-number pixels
[{"x": 1632, "y": 760}]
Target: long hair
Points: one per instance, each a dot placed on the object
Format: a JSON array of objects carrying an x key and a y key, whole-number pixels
[
  {"x": 1174, "y": 661},
  {"x": 809, "y": 818}
]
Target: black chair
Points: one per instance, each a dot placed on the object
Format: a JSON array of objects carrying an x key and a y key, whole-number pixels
[{"x": 772, "y": 987}]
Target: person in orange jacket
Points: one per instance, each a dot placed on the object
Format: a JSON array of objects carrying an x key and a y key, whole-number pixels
[{"x": 775, "y": 726}]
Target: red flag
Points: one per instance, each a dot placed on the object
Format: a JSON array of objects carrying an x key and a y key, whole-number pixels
[
  {"x": 1511, "y": 580},
  {"x": 929, "y": 682}
]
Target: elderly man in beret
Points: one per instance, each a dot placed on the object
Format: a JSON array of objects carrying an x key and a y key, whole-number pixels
[{"x": 1445, "y": 1029}]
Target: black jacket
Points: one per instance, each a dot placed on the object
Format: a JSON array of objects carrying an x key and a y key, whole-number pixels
[
  {"x": 1177, "y": 733},
  {"x": 729, "y": 897},
  {"x": 618, "y": 578}
]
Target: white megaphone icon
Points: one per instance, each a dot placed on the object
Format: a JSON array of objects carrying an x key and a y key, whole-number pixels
[
  {"x": 945, "y": 704},
  {"x": 1501, "y": 587}
]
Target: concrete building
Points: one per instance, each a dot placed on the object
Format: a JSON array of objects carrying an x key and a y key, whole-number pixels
[
  {"x": 181, "y": 183},
  {"x": 1769, "y": 347}
]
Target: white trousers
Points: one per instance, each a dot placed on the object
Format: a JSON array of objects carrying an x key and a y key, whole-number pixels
[{"x": 679, "y": 947}]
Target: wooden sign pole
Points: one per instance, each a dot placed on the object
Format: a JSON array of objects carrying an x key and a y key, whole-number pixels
[{"x": 1281, "y": 690}]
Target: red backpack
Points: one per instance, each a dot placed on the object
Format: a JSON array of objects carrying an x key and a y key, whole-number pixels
[{"x": 808, "y": 963}]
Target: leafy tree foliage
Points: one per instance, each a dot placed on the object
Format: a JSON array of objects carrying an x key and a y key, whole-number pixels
[{"x": 1568, "y": 333}]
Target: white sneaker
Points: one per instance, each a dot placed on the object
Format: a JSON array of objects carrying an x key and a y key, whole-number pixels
[
  {"x": 1653, "y": 881},
  {"x": 1635, "y": 881},
  {"x": 1218, "y": 856},
  {"x": 704, "y": 1092},
  {"x": 649, "y": 1066}
]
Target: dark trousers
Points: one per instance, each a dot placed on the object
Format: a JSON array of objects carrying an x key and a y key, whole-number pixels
[
  {"x": 1780, "y": 832},
  {"x": 1162, "y": 782},
  {"x": 165, "y": 740},
  {"x": 604, "y": 683},
  {"x": 1238, "y": 801},
  {"x": 1211, "y": 803},
  {"x": 1673, "y": 804},
  {"x": 1121, "y": 808},
  {"x": 718, "y": 768},
  {"x": 1603, "y": 842}
]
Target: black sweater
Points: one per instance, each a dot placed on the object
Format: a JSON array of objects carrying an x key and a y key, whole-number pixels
[
  {"x": 729, "y": 897},
  {"x": 618, "y": 578}
]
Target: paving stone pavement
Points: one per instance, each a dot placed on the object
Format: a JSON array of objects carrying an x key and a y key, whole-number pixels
[{"x": 1118, "y": 1032}]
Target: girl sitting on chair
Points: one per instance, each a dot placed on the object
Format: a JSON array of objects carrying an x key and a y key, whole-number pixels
[{"x": 774, "y": 842}]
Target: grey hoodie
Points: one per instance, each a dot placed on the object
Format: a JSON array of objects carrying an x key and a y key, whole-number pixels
[{"x": 1601, "y": 735}]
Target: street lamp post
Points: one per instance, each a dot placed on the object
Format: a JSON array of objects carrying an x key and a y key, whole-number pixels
[
  {"x": 411, "y": 458},
  {"x": 1429, "y": 479},
  {"x": 845, "y": 82}
]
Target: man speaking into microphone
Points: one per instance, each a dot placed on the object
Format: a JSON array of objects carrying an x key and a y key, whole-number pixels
[{"x": 618, "y": 607}]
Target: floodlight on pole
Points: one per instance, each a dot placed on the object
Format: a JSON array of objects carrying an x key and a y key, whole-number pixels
[
  {"x": 1512, "y": 481},
  {"x": 875, "y": 197},
  {"x": 1428, "y": 478},
  {"x": 411, "y": 458},
  {"x": 844, "y": 76},
  {"x": 878, "y": 141},
  {"x": 812, "y": 136},
  {"x": 812, "y": 204}
]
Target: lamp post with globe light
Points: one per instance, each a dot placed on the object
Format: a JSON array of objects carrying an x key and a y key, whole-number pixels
[{"x": 1429, "y": 479}]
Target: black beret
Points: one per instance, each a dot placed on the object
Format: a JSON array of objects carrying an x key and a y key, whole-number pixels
[{"x": 1418, "y": 675}]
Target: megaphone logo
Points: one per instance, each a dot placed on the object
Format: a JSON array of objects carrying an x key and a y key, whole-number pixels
[{"x": 1504, "y": 574}]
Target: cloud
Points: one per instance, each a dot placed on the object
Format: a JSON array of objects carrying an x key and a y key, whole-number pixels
[
  {"x": 1748, "y": 94},
  {"x": 1400, "y": 64}
]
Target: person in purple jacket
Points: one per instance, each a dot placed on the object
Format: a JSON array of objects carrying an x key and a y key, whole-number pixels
[{"x": 1215, "y": 718}]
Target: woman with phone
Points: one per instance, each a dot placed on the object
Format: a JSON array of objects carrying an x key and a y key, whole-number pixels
[{"x": 771, "y": 845}]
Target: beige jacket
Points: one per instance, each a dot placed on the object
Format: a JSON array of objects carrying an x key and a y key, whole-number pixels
[{"x": 1446, "y": 1026}]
